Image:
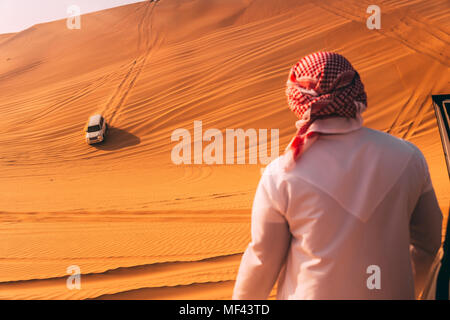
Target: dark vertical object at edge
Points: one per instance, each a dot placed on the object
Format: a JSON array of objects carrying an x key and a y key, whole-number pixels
[
  {"x": 444, "y": 126},
  {"x": 443, "y": 279}
]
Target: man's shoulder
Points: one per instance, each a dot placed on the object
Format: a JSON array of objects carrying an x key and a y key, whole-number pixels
[
  {"x": 377, "y": 141},
  {"x": 389, "y": 141},
  {"x": 399, "y": 148},
  {"x": 275, "y": 167}
]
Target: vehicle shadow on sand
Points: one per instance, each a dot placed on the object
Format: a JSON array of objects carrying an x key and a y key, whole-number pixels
[{"x": 117, "y": 139}]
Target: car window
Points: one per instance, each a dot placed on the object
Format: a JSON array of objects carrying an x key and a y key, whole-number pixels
[
  {"x": 93, "y": 128},
  {"x": 101, "y": 122}
]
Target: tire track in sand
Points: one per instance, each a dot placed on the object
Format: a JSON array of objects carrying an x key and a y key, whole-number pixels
[
  {"x": 84, "y": 91},
  {"x": 412, "y": 113},
  {"x": 411, "y": 30},
  {"x": 115, "y": 103}
]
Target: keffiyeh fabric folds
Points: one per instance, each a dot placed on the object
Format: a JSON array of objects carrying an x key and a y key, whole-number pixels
[{"x": 321, "y": 85}]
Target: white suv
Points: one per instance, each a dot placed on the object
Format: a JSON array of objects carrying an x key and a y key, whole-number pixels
[{"x": 96, "y": 129}]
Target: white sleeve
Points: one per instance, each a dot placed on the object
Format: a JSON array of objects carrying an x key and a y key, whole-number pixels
[
  {"x": 265, "y": 255},
  {"x": 425, "y": 230}
]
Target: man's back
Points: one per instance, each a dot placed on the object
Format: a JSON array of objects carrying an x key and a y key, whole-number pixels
[{"x": 352, "y": 205}]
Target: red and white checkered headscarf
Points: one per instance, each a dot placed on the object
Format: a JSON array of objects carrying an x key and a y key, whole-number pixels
[{"x": 321, "y": 85}]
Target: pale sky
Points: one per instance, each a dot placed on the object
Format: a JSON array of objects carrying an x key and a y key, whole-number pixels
[{"x": 17, "y": 15}]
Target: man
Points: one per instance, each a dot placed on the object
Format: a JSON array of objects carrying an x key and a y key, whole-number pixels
[{"x": 347, "y": 212}]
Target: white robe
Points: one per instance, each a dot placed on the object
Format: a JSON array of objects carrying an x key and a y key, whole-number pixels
[{"x": 358, "y": 200}]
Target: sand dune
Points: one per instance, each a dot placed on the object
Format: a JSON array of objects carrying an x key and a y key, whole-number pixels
[
  {"x": 118, "y": 282},
  {"x": 138, "y": 225}
]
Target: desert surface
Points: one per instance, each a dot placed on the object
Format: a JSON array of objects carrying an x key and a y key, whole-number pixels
[{"x": 136, "y": 224}]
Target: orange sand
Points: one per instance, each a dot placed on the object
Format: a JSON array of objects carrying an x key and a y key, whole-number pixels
[{"x": 136, "y": 224}]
